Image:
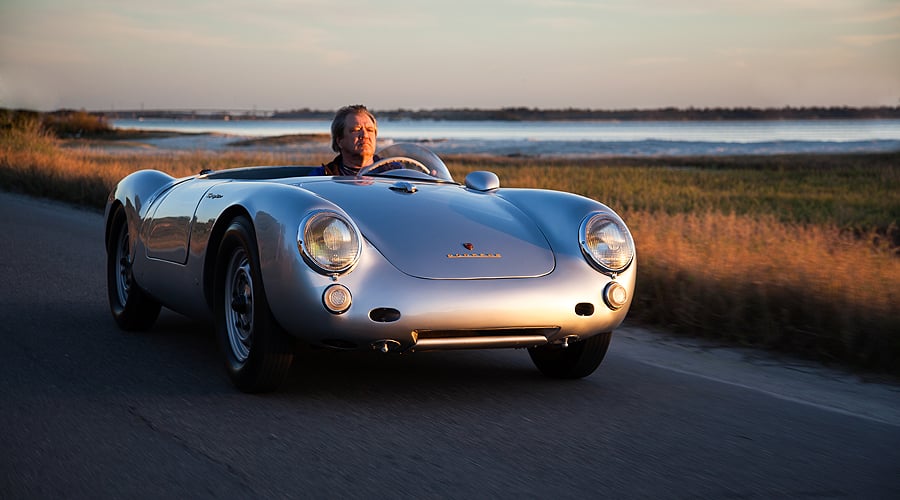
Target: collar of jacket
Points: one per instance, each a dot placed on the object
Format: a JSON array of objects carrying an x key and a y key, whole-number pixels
[{"x": 337, "y": 167}]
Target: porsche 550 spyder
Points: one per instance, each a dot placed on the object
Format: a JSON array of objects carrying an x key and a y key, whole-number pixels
[{"x": 398, "y": 259}]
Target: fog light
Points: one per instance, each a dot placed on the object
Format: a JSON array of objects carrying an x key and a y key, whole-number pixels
[
  {"x": 337, "y": 298},
  {"x": 615, "y": 296}
]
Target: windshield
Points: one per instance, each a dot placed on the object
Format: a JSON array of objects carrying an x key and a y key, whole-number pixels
[{"x": 395, "y": 162}]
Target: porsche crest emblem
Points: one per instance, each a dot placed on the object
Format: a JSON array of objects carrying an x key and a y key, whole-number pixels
[{"x": 473, "y": 255}]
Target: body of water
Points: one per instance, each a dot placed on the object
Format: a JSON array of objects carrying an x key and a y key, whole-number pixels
[{"x": 576, "y": 138}]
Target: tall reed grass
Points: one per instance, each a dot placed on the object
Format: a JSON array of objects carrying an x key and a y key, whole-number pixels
[
  {"x": 34, "y": 160},
  {"x": 810, "y": 289},
  {"x": 792, "y": 253},
  {"x": 854, "y": 192},
  {"x": 797, "y": 253}
]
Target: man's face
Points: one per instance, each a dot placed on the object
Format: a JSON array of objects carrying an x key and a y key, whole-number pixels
[{"x": 359, "y": 135}]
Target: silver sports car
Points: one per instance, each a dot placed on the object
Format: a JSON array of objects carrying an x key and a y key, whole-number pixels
[{"x": 398, "y": 259}]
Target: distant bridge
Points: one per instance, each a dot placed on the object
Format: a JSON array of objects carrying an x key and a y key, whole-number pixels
[{"x": 191, "y": 113}]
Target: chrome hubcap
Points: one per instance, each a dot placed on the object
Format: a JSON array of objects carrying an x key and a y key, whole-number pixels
[{"x": 239, "y": 305}]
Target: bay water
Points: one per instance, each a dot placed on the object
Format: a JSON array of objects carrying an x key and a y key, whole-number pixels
[{"x": 565, "y": 138}]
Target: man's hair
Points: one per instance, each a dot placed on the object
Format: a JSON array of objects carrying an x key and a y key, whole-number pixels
[{"x": 337, "y": 125}]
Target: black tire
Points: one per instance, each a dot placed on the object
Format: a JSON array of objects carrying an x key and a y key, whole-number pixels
[
  {"x": 131, "y": 307},
  {"x": 257, "y": 352},
  {"x": 578, "y": 360}
]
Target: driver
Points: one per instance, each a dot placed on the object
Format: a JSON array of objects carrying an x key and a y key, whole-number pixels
[{"x": 353, "y": 133}]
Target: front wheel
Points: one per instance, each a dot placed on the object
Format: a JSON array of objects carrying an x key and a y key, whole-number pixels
[
  {"x": 258, "y": 353},
  {"x": 131, "y": 307},
  {"x": 578, "y": 360}
]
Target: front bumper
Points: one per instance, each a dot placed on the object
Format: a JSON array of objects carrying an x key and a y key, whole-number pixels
[{"x": 392, "y": 311}]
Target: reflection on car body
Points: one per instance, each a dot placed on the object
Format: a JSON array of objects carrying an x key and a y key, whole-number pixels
[{"x": 400, "y": 258}]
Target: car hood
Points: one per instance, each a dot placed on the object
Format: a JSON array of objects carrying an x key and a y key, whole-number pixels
[{"x": 442, "y": 231}]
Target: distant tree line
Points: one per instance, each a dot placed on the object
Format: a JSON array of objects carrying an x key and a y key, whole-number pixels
[
  {"x": 537, "y": 114},
  {"x": 61, "y": 123},
  {"x": 663, "y": 114}
]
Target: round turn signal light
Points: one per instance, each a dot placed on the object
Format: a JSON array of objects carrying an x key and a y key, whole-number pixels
[
  {"x": 615, "y": 296},
  {"x": 337, "y": 299}
]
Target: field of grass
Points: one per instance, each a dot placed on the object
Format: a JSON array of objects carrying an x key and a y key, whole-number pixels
[
  {"x": 800, "y": 253},
  {"x": 795, "y": 252}
]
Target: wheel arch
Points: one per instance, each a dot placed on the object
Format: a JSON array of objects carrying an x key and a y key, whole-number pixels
[
  {"x": 274, "y": 212},
  {"x": 111, "y": 211},
  {"x": 215, "y": 242},
  {"x": 135, "y": 193}
]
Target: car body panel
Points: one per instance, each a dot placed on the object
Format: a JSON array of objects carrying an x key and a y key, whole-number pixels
[
  {"x": 168, "y": 229},
  {"x": 441, "y": 266},
  {"x": 424, "y": 233}
]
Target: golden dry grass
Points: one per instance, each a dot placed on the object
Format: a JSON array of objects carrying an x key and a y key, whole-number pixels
[
  {"x": 797, "y": 253},
  {"x": 809, "y": 289},
  {"x": 35, "y": 162}
]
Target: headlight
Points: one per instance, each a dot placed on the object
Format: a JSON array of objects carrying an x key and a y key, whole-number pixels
[
  {"x": 606, "y": 242},
  {"x": 329, "y": 242}
]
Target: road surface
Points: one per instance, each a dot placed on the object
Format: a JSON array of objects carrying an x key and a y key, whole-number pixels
[{"x": 88, "y": 411}]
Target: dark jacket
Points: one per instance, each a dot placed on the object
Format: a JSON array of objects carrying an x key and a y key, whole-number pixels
[{"x": 337, "y": 167}]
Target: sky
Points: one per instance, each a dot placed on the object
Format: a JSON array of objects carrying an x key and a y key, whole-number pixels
[{"x": 104, "y": 55}]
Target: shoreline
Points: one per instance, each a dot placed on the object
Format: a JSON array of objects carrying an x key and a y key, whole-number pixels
[
  {"x": 523, "y": 113},
  {"x": 320, "y": 143}
]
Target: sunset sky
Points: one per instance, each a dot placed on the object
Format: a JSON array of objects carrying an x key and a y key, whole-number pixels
[{"x": 388, "y": 54}]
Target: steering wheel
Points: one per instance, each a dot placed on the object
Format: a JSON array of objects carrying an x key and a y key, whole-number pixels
[{"x": 394, "y": 163}]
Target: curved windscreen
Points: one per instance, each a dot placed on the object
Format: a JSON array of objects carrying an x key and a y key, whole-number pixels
[{"x": 421, "y": 154}]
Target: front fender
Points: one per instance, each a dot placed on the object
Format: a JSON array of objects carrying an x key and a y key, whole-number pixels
[
  {"x": 136, "y": 193},
  {"x": 547, "y": 208},
  {"x": 275, "y": 211}
]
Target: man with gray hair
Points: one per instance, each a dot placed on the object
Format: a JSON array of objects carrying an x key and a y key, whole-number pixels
[{"x": 353, "y": 134}]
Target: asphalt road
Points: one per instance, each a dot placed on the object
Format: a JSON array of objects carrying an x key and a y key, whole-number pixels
[{"x": 88, "y": 411}]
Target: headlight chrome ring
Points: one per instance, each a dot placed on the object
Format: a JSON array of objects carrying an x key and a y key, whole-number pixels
[
  {"x": 329, "y": 241},
  {"x": 606, "y": 242}
]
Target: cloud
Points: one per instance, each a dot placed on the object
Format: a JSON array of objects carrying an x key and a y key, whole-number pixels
[
  {"x": 868, "y": 40},
  {"x": 656, "y": 61},
  {"x": 876, "y": 15},
  {"x": 560, "y": 23}
]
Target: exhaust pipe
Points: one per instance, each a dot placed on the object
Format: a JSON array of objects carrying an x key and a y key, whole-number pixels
[{"x": 386, "y": 345}]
